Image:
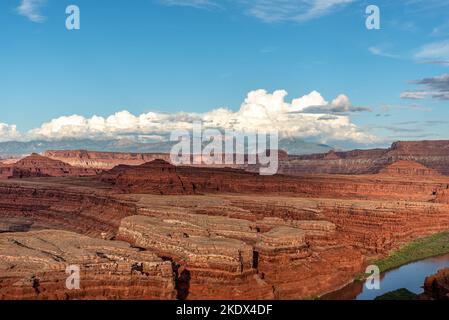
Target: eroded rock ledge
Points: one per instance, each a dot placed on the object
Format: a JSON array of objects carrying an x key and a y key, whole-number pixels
[
  {"x": 436, "y": 287},
  {"x": 34, "y": 206},
  {"x": 160, "y": 177},
  {"x": 33, "y": 266}
]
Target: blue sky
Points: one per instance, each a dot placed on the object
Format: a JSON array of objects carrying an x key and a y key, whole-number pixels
[{"x": 195, "y": 56}]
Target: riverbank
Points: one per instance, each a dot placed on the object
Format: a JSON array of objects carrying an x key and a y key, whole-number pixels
[
  {"x": 432, "y": 246},
  {"x": 405, "y": 268},
  {"x": 419, "y": 249},
  {"x": 403, "y": 283}
]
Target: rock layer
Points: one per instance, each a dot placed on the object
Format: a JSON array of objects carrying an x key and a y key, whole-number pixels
[
  {"x": 160, "y": 177},
  {"x": 33, "y": 266},
  {"x": 404, "y": 169},
  {"x": 301, "y": 247},
  {"x": 30, "y": 206},
  {"x": 208, "y": 266}
]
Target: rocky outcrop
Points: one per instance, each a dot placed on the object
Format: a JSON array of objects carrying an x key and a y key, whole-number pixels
[
  {"x": 436, "y": 287},
  {"x": 236, "y": 260},
  {"x": 339, "y": 235},
  {"x": 208, "y": 266},
  {"x": 38, "y": 166},
  {"x": 33, "y": 266},
  {"x": 406, "y": 169}
]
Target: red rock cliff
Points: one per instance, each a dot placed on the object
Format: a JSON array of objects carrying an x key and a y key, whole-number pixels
[{"x": 39, "y": 166}]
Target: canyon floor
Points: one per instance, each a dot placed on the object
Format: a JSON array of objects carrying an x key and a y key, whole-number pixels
[{"x": 156, "y": 231}]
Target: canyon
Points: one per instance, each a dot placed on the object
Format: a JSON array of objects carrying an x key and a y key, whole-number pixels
[{"x": 145, "y": 229}]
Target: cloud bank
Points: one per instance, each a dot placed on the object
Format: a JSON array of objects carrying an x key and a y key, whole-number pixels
[
  {"x": 261, "y": 111},
  {"x": 8, "y": 132}
]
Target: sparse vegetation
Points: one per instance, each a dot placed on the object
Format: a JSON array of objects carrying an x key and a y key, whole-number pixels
[
  {"x": 427, "y": 247},
  {"x": 435, "y": 245}
]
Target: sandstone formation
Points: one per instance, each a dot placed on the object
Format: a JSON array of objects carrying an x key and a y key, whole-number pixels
[
  {"x": 436, "y": 287},
  {"x": 208, "y": 266},
  {"x": 38, "y": 166},
  {"x": 103, "y": 160},
  {"x": 404, "y": 169},
  {"x": 33, "y": 266},
  {"x": 236, "y": 260},
  {"x": 29, "y": 206}
]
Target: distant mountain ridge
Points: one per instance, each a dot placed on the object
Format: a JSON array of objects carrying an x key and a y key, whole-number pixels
[{"x": 17, "y": 148}]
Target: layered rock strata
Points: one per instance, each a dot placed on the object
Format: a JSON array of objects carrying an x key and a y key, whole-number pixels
[
  {"x": 208, "y": 266},
  {"x": 258, "y": 265},
  {"x": 160, "y": 177},
  {"x": 30, "y": 206},
  {"x": 338, "y": 233},
  {"x": 33, "y": 266}
]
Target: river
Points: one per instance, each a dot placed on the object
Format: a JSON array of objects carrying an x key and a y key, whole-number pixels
[{"x": 410, "y": 276}]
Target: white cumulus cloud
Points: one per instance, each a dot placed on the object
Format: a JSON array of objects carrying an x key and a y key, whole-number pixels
[
  {"x": 260, "y": 110},
  {"x": 310, "y": 100},
  {"x": 8, "y": 132}
]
